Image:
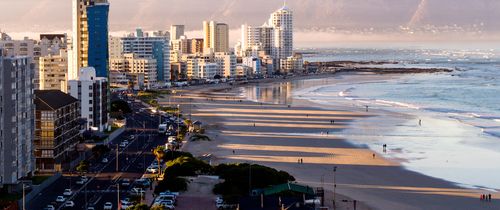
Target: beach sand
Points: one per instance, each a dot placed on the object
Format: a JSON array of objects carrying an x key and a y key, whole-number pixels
[{"x": 278, "y": 136}]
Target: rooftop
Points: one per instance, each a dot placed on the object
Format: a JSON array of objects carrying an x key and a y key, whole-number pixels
[{"x": 49, "y": 100}]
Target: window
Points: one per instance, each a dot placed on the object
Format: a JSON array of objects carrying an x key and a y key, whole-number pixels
[{"x": 90, "y": 101}]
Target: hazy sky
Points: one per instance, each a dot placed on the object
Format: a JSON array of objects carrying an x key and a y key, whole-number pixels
[{"x": 323, "y": 16}]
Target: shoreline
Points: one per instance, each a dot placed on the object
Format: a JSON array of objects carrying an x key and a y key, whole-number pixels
[{"x": 353, "y": 167}]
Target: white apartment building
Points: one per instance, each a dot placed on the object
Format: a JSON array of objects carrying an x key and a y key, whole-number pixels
[
  {"x": 16, "y": 120},
  {"x": 155, "y": 47},
  {"x": 115, "y": 47},
  {"x": 136, "y": 67},
  {"x": 92, "y": 92},
  {"x": 176, "y": 31},
  {"x": 282, "y": 22},
  {"x": 255, "y": 40},
  {"x": 293, "y": 64},
  {"x": 53, "y": 72},
  {"x": 193, "y": 65},
  {"x": 254, "y": 63},
  {"x": 227, "y": 64},
  {"x": 208, "y": 70}
]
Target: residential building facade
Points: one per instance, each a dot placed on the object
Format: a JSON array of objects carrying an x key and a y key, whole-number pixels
[
  {"x": 53, "y": 72},
  {"x": 216, "y": 36},
  {"x": 16, "y": 119},
  {"x": 132, "y": 65},
  {"x": 57, "y": 130},
  {"x": 92, "y": 93}
]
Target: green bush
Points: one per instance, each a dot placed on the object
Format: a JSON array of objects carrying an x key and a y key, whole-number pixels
[
  {"x": 186, "y": 166},
  {"x": 238, "y": 176},
  {"x": 172, "y": 184}
]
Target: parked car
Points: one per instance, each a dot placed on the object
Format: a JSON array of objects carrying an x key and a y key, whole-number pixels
[
  {"x": 126, "y": 204},
  {"x": 50, "y": 207},
  {"x": 90, "y": 208},
  {"x": 108, "y": 206},
  {"x": 60, "y": 199},
  {"x": 166, "y": 204},
  {"x": 123, "y": 145},
  {"x": 69, "y": 204},
  {"x": 105, "y": 160},
  {"x": 152, "y": 169},
  {"x": 67, "y": 192},
  {"x": 143, "y": 183},
  {"x": 219, "y": 200},
  {"x": 82, "y": 180},
  {"x": 131, "y": 137}
]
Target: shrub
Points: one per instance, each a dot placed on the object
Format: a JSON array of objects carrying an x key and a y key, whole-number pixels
[{"x": 172, "y": 184}]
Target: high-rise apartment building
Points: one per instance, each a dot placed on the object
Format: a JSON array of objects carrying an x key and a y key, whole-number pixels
[
  {"x": 282, "y": 22},
  {"x": 156, "y": 47},
  {"x": 115, "y": 47},
  {"x": 257, "y": 39},
  {"x": 92, "y": 93},
  {"x": 176, "y": 31},
  {"x": 57, "y": 130},
  {"x": 216, "y": 36},
  {"x": 53, "y": 72},
  {"x": 89, "y": 47},
  {"x": 196, "y": 46},
  {"x": 16, "y": 119}
]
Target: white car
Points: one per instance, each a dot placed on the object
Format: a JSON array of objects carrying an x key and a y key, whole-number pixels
[
  {"x": 60, "y": 199},
  {"x": 126, "y": 204},
  {"x": 69, "y": 204},
  {"x": 82, "y": 180},
  {"x": 219, "y": 200},
  {"x": 152, "y": 169},
  {"x": 166, "y": 204},
  {"x": 108, "y": 206},
  {"x": 131, "y": 137},
  {"x": 50, "y": 207},
  {"x": 90, "y": 208},
  {"x": 67, "y": 192},
  {"x": 105, "y": 160},
  {"x": 123, "y": 145}
]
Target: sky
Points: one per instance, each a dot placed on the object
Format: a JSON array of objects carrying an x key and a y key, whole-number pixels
[{"x": 324, "y": 20}]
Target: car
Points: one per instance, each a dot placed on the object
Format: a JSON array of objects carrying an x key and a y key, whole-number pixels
[
  {"x": 108, "y": 206},
  {"x": 82, "y": 180},
  {"x": 125, "y": 182},
  {"x": 90, "y": 208},
  {"x": 152, "y": 169},
  {"x": 105, "y": 160},
  {"x": 67, "y": 192},
  {"x": 131, "y": 137},
  {"x": 50, "y": 207},
  {"x": 142, "y": 182},
  {"x": 125, "y": 142},
  {"x": 123, "y": 145},
  {"x": 60, "y": 199},
  {"x": 137, "y": 191},
  {"x": 219, "y": 200},
  {"x": 126, "y": 204},
  {"x": 166, "y": 204},
  {"x": 69, "y": 204},
  {"x": 166, "y": 198}
]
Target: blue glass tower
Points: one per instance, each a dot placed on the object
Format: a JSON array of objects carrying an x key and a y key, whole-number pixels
[
  {"x": 97, "y": 17},
  {"x": 158, "y": 54}
]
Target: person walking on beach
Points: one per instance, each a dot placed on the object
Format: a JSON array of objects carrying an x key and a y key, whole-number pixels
[
  {"x": 373, "y": 155},
  {"x": 420, "y": 122},
  {"x": 233, "y": 152},
  {"x": 301, "y": 161}
]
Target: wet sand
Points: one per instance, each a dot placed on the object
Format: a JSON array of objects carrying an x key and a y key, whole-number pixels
[{"x": 278, "y": 136}]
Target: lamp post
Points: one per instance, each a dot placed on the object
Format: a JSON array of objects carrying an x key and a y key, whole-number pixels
[
  {"x": 334, "y": 186},
  {"x": 178, "y": 120}
]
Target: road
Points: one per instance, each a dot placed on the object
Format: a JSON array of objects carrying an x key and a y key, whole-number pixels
[{"x": 102, "y": 187}]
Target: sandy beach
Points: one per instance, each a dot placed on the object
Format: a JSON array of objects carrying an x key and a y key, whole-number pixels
[{"x": 278, "y": 136}]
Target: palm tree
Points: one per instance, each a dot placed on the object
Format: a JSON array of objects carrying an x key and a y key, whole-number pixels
[{"x": 159, "y": 153}]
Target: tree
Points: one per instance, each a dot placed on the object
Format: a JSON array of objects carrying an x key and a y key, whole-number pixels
[
  {"x": 83, "y": 166},
  {"x": 172, "y": 184},
  {"x": 140, "y": 206},
  {"x": 159, "y": 153}
]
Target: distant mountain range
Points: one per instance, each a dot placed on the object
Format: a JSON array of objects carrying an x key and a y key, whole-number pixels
[{"x": 37, "y": 15}]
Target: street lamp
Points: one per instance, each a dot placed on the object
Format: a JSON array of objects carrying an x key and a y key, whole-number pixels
[
  {"x": 334, "y": 185},
  {"x": 178, "y": 119}
]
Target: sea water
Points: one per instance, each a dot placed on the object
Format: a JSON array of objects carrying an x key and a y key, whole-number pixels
[{"x": 453, "y": 131}]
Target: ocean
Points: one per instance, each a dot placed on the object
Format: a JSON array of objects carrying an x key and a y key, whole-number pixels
[{"x": 459, "y": 136}]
